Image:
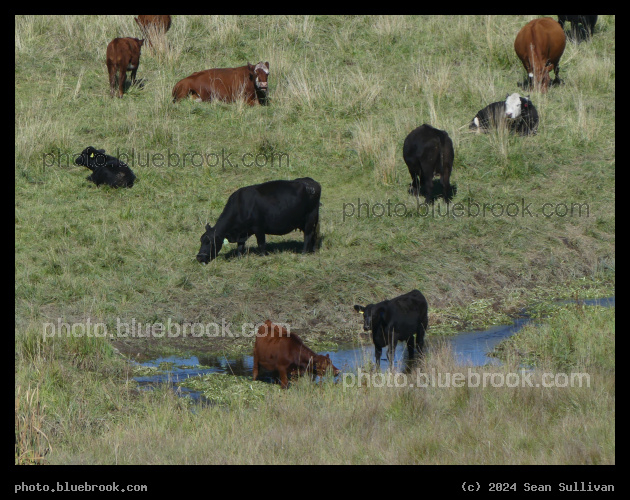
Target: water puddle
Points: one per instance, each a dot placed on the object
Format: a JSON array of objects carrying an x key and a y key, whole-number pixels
[{"x": 469, "y": 349}]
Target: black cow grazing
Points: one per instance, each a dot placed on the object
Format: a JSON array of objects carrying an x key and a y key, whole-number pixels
[
  {"x": 587, "y": 22},
  {"x": 394, "y": 320},
  {"x": 105, "y": 169},
  {"x": 274, "y": 207},
  {"x": 428, "y": 151},
  {"x": 516, "y": 113}
]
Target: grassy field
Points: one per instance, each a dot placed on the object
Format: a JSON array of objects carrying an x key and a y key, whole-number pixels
[{"x": 344, "y": 93}]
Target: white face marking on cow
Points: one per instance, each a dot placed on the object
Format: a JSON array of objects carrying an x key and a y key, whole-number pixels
[
  {"x": 476, "y": 122},
  {"x": 260, "y": 65},
  {"x": 265, "y": 69},
  {"x": 513, "y": 106}
]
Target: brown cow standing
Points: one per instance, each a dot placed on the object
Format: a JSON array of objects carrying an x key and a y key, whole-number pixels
[
  {"x": 226, "y": 84},
  {"x": 123, "y": 54},
  {"x": 280, "y": 351},
  {"x": 152, "y": 24},
  {"x": 539, "y": 45}
]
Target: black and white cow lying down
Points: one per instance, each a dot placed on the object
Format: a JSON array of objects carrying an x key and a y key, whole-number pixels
[
  {"x": 394, "y": 320},
  {"x": 105, "y": 169},
  {"x": 516, "y": 113},
  {"x": 274, "y": 207}
]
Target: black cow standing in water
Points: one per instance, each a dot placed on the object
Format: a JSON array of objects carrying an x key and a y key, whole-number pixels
[
  {"x": 105, "y": 169},
  {"x": 394, "y": 320},
  {"x": 274, "y": 207},
  {"x": 428, "y": 151}
]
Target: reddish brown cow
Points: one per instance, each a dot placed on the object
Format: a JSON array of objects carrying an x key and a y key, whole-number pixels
[
  {"x": 150, "y": 25},
  {"x": 226, "y": 84},
  {"x": 123, "y": 54},
  {"x": 280, "y": 351},
  {"x": 539, "y": 45}
]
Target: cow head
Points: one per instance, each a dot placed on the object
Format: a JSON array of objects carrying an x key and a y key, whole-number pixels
[
  {"x": 373, "y": 314},
  {"x": 323, "y": 364},
  {"x": 260, "y": 74},
  {"x": 513, "y": 106},
  {"x": 211, "y": 244},
  {"x": 91, "y": 158}
]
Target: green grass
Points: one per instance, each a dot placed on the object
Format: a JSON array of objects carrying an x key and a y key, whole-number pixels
[
  {"x": 344, "y": 93},
  {"x": 574, "y": 336}
]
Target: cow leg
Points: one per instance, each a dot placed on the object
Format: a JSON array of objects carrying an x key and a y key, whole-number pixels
[
  {"x": 255, "y": 370},
  {"x": 240, "y": 248},
  {"x": 378, "y": 352},
  {"x": 391, "y": 354},
  {"x": 556, "y": 80},
  {"x": 415, "y": 185},
  {"x": 284, "y": 379},
  {"x": 262, "y": 243},
  {"x": 428, "y": 189},
  {"x": 122, "y": 77},
  {"x": 133, "y": 75},
  {"x": 410, "y": 346},
  {"x": 310, "y": 233},
  {"x": 112, "y": 79},
  {"x": 420, "y": 344},
  {"x": 446, "y": 185}
]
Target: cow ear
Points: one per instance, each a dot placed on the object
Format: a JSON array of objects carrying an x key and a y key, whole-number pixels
[
  {"x": 100, "y": 151},
  {"x": 141, "y": 42},
  {"x": 328, "y": 356},
  {"x": 267, "y": 64},
  {"x": 208, "y": 227},
  {"x": 359, "y": 308}
]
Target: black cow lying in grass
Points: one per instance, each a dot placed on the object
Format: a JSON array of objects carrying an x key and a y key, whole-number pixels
[
  {"x": 516, "y": 113},
  {"x": 394, "y": 320},
  {"x": 105, "y": 168},
  {"x": 274, "y": 207}
]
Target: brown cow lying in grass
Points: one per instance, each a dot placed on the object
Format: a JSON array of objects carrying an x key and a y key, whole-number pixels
[
  {"x": 123, "y": 54},
  {"x": 226, "y": 84},
  {"x": 279, "y": 351}
]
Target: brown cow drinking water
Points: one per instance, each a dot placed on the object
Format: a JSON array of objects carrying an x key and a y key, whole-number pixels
[
  {"x": 123, "y": 54},
  {"x": 279, "y": 351},
  {"x": 226, "y": 84}
]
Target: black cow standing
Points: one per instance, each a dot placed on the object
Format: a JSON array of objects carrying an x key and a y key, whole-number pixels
[
  {"x": 274, "y": 207},
  {"x": 428, "y": 151},
  {"x": 105, "y": 169},
  {"x": 587, "y": 22},
  {"x": 394, "y": 320}
]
